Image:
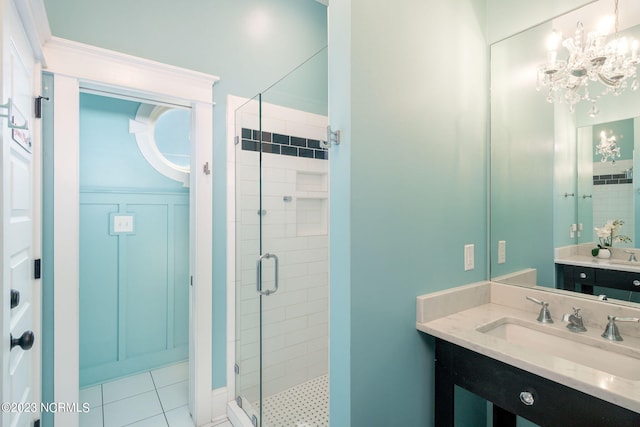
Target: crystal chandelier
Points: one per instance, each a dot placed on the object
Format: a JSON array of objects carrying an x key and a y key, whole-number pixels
[
  {"x": 608, "y": 148},
  {"x": 593, "y": 58}
]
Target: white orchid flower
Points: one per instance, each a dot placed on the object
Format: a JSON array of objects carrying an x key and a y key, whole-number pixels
[{"x": 603, "y": 232}]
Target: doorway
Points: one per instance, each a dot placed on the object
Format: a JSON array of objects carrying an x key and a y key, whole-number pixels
[
  {"x": 78, "y": 68},
  {"x": 134, "y": 260}
]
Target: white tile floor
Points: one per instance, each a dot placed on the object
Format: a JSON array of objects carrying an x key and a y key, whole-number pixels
[{"x": 151, "y": 399}]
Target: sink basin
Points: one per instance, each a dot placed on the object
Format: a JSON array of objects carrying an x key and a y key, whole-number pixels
[{"x": 571, "y": 346}]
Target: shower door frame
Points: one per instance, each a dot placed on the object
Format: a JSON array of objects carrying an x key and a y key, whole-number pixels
[
  {"x": 235, "y": 413},
  {"x": 75, "y": 66}
]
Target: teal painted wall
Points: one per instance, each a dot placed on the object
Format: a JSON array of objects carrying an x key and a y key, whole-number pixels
[
  {"x": 506, "y": 18},
  {"x": 522, "y": 198},
  {"x": 47, "y": 248},
  {"x": 249, "y": 44},
  {"x": 408, "y": 189},
  {"x": 134, "y": 312}
]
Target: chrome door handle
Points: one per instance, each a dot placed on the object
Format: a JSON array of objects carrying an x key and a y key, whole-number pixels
[{"x": 259, "y": 275}]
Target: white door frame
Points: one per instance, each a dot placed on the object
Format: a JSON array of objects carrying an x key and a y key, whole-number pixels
[{"x": 75, "y": 66}]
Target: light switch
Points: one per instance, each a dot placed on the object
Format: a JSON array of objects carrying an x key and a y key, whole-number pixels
[
  {"x": 502, "y": 252},
  {"x": 469, "y": 257},
  {"x": 123, "y": 223}
]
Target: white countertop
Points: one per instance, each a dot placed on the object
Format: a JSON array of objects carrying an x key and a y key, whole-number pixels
[
  {"x": 593, "y": 262},
  {"x": 455, "y": 315},
  {"x": 580, "y": 255}
]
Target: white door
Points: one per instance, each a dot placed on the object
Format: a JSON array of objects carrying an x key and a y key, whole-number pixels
[{"x": 18, "y": 360}]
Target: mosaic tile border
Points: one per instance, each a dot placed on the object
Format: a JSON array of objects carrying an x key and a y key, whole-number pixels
[
  {"x": 288, "y": 145},
  {"x": 618, "y": 178}
]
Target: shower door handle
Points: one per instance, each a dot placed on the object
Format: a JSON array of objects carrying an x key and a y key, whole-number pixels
[{"x": 259, "y": 275}]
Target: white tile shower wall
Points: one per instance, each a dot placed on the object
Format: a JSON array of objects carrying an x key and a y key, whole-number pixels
[
  {"x": 614, "y": 201},
  {"x": 295, "y": 318}
]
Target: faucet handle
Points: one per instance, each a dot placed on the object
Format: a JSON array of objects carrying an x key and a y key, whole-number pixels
[
  {"x": 545, "y": 314},
  {"x": 537, "y": 301},
  {"x": 611, "y": 331},
  {"x": 632, "y": 256},
  {"x": 576, "y": 311}
]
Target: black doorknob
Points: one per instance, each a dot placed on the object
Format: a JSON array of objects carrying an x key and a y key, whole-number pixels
[
  {"x": 25, "y": 341},
  {"x": 15, "y": 298}
]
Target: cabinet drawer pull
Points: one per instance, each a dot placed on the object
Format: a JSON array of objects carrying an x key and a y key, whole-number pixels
[
  {"x": 636, "y": 283},
  {"x": 527, "y": 398},
  {"x": 583, "y": 275}
]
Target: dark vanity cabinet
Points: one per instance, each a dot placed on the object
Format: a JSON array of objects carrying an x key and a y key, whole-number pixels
[
  {"x": 583, "y": 279},
  {"x": 515, "y": 392}
]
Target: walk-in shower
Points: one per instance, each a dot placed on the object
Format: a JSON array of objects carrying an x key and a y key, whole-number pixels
[{"x": 282, "y": 228}]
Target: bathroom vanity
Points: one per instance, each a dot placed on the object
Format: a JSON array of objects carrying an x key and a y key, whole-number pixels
[
  {"x": 489, "y": 342},
  {"x": 582, "y": 272}
]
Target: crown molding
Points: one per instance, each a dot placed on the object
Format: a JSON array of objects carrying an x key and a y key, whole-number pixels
[{"x": 132, "y": 74}]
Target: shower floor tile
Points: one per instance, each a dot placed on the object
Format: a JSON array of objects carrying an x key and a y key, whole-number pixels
[{"x": 304, "y": 405}]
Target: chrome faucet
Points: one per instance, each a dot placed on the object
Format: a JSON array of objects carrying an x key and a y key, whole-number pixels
[
  {"x": 632, "y": 256},
  {"x": 575, "y": 321},
  {"x": 611, "y": 331},
  {"x": 545, "y": 314}
]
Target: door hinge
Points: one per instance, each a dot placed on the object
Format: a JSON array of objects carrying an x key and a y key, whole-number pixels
[
  {"x": 37, "y": 271},
  {"x": 191, "y": 281},
  {"x": 239, "y": 401},
  {"x": 36, "y": 423},
  {"x": 236, "y": 368},
  {"x": 38, "y": 106}
]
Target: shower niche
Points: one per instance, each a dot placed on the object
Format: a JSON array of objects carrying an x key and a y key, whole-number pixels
[{"x": 312, "y": 208}]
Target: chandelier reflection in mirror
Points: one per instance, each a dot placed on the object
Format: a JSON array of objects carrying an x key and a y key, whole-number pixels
[
  {"x": 608, "y": 147},
  {"x": 592, "y": 59}
]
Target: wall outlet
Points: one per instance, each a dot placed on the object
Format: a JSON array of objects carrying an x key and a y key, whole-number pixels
[
  {"x": 502, "y": 252},
  {"x": 469, "y": 257}
]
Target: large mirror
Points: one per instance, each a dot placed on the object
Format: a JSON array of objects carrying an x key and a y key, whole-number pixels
[{"x": 549, "y": 188}]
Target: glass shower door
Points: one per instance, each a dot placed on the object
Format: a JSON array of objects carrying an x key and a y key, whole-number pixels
[
  {"x": 282, "y": 251},
  {"x": 258, "y": 218},
  {"x": 248, "y": 214}
]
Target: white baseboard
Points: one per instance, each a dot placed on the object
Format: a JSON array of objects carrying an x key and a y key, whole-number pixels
[
  {"x": 219, "y": 399},
  {"x": 236, "y": 415}
]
